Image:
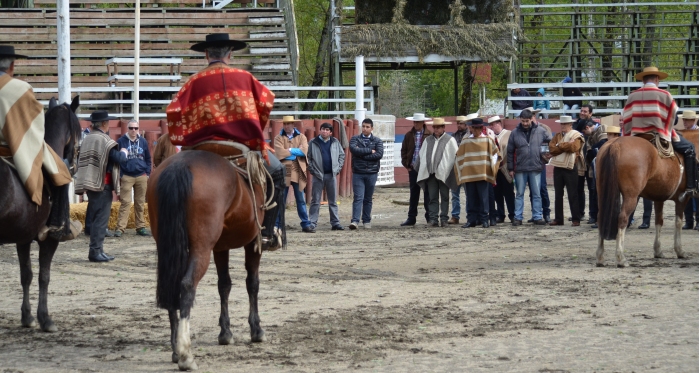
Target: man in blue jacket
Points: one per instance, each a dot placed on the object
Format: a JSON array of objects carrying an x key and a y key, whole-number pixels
[
  {"x": 135, "y": 172},
  {"x": 367, "y": 151}
]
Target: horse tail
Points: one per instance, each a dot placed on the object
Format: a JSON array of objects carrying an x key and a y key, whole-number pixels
[
  {"x": 174, "y": 187},
  {"x": 608, "y": 193}
]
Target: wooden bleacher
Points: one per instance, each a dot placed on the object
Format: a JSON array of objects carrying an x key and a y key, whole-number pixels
[{"x": 168, "y": 29}]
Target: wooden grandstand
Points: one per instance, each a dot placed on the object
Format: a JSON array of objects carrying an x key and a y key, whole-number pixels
[{"x": 103, "y": 30}]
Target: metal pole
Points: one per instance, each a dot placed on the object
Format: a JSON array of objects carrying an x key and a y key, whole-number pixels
[
  {"x": 456, "y": 88},
  {"x": 359, "y": 88},
  {"x": 63, "y": 29},
  {"x": 137, "y": 50}
]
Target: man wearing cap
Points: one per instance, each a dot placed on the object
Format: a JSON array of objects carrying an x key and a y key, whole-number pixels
[
  {"x": 291, "y": 147},
  {"x": 566, "y": 149},
  {"x": 410, "y": 148},
  {"x": 98, "y": 177},
  {"x": 525, "y": 165},
  {"x": 477, "y": 165},
  {"x": 503, "y": 190},
  {"x": 653, "y": 110},
  {"x": 325, "y": 160},
  {"x": 687, "y": 121},
  {"x": 22, "y": 135},
  {"x": 462, "y": 122},
  {"x": 135, "y": 172},
  {"x": 593, "y": 134},
  {"x": 367, "y": 152},
  {"x": 435, "y": 171}
]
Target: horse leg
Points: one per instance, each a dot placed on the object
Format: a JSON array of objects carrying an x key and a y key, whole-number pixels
[
  {"x": 172, "y": 315},
  {"x": 658, "y": 224},
  {"x": 199, "y": 262},
  {"x": 628, "y": 205},
  {"x": 680, "y": 207},
  {"x": 25, "y": 276},
  {"x": 600, "y": 261},
  {"x": 221, "y": 261},
  {"x": 252, "y": 282},
  {"x": 47, "y": 249}
]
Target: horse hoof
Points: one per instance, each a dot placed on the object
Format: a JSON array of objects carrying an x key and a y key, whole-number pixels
[
  {"x": 623, "y": 265},
  {"x": 259, "y": 337},
  {"x": 187, "y": 364},
  {"x": 600, "y": 264},
  {"x": 659, "y": 256},
  {"x": 49, "y": 327},
  {"x": 175, "y": 358},
  {"x": 682, "y": 256},
  {"x": 29, "y": 323},
  {"x": 225, "y": 339}
]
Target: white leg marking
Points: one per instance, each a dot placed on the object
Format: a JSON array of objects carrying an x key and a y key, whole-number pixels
[
  {"x": 619, "y": 250},
  {"x": 657, "y": 242},
  {"x": 677, "y": 239}
]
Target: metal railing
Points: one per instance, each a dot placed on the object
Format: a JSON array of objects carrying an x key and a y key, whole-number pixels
[{"x": 368, "y": 99}]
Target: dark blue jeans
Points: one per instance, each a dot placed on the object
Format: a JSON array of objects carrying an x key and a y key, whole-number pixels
[
  {"x": 99, "y": 208},
  {"x": 301, "y": 205},
  {"x": 544, "y": 195},
  {"x": 362, "y": 190},
  {"x": 415, "y": 190}
]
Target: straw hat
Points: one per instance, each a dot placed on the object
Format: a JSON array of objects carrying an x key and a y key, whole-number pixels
[
  {"x": 418, "y": 117},
  {"x": 288, "y": 119},
  {"x": 688, "y": 114},
  {"x": 612, "y": 129},
  {"x": 461, "y": 118},
  {"x": 495, "y": 119},
  {"x": 438, "y": 122},
  {"x": 651, "y": 70},
  {"x": 565, "y": 119}
]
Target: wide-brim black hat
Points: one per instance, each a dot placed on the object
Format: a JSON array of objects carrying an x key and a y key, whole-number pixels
[
  {"x": 101, "y": 116},
  {"x": 218, "y": 40},
  {"x": 476, "y": 122},
  {"x": 9, "y": 51}
]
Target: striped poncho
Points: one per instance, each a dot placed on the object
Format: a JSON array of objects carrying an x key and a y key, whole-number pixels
[
  {"x": 477, "y": 160},
  {"x": 22, "y": 131},
  {"x": 650, "y": 109}
]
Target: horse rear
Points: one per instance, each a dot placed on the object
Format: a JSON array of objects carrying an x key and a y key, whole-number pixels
[
  {"x": 626, "y": 169},
  {"x": 198, "y": 204}
]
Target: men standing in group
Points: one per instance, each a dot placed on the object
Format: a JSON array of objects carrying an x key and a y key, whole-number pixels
[
  {"x": 462, "y": 122},
  {"x": 593, "y": 134},
  {"x": 436, "y": 163},
  {"x": 503, "y": 190},
  {"x": 653, "y": 110},
  {"x": 135, "y": 172},
  {"x": 291, "y": 148},
  {"x": 567, "y": 159},
  {"x": 367, "y": 151},
  {"x": 585, "y": 119},
  {"x": 477, "y": 165},
  {"x": 410, "y": 148},
  {"x": 525, "y": 165},
  {"x": 325, "y": 158},
  {"x": 98, "y": 176}
]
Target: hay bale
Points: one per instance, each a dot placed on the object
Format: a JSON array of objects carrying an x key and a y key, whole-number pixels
[{"x": 79, "y": 210}]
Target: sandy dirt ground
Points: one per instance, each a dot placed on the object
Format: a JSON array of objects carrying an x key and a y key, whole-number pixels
[{"x": 389, "y": 299}]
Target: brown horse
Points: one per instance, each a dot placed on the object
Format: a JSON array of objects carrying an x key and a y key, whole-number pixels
[
  {"x": 631, "y": 166},
  {"x": 21, "y": 219},
  {"x": 198, "y": 204}
]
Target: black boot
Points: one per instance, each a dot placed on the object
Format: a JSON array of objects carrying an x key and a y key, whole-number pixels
[
  {"x": 104, "y": 254},
  {"x": 691, "y": 176},
  {"x": 96, "y": 255}
]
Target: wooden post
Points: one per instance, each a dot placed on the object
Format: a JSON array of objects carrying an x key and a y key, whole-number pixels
[
  {"x": 63, "y": 30},
  {"x": 137, "y": 55}
]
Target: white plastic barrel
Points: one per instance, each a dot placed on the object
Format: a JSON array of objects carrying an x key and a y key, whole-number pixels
[{"x": 384, "y": 129}]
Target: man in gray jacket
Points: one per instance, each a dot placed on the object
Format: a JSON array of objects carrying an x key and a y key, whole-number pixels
[
  {"x": 325, "y": 158},
  {"x": 525, "y": 164}
]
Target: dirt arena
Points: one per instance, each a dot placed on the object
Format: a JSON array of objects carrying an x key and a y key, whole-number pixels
[{"x": 389, "y": 299}]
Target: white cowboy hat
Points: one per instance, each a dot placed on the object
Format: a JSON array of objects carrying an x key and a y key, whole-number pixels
[
  {"x": 418, "y": 117},
  {"x": 461, "y": 118},
  {"x": 688, "y": 114},
  {"x": 651, "y": 70},
  {"x": 532, "y": 109},
  {"x": 288, "y": 119},
  {"x": 472, "y": 116},
  {"x": 565, "y": 119},
  {"x": 438, "y": 122},
  {"x": 495, "y": 119},
  {"x": 612, "y": 129}
]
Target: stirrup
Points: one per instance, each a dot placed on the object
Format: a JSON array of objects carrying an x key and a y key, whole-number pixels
[
  {"x": 272, "y": 243},
  {"x": 688, "y": 192}
]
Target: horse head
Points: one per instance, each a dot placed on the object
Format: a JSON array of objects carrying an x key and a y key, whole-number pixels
[{"x": 62, "y": 131}]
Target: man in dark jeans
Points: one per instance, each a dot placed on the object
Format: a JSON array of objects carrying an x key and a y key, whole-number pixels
[
  {"x": 367, "y": 151},
  {"x": 410, "y": 147}
]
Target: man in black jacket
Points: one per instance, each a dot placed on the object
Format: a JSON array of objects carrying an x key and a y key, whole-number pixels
[
  {"x": 367, "y": 151},
  {"x": 520, "y": 104}
]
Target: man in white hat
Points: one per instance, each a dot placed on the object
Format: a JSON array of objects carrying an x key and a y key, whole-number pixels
[
  {"x": 435, "y": 166},
  {"x": 566, "y": 149},
  {"x": 291, "y": 147},
  {"x": 503, "y": 190},
  {"x": 687, "y": 121},
  {"x": 653, "y": 110},
  {"x": 410, "y": 148},
  {"x": 461, "y": 133}
]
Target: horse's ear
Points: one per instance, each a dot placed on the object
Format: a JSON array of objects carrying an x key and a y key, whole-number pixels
[
  {"x": 76, "y": 102},
  {"x": 53, "y": 103}
]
